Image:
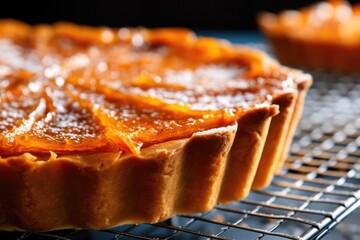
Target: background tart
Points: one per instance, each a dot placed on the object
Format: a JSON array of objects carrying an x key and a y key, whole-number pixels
[
  {"x": 324, "y": 35},
  {"x": 101, "y": 126}
]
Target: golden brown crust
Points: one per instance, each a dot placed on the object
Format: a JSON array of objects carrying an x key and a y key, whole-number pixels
[
  {"x": 282, "y": 130},
  {"x": 275, "y": 140},
  {"x": 303, "y": 84},
  {"x": 244, "y": 156},
  {"x": 110, "y": 189}
]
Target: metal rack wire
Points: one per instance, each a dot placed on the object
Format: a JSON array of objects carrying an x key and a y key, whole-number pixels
[{"x": 319, "y": 186}]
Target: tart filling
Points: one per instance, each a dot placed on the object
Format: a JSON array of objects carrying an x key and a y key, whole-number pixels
[{"x": 69, "y": 92}]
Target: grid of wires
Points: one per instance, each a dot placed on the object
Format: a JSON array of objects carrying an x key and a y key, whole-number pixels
[{"x": 318, "y": 187}]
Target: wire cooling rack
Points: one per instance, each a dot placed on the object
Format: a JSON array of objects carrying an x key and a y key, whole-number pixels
[{"x": 318, "y": 187}]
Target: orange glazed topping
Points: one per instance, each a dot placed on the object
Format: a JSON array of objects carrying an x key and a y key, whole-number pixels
[{"x": 73, "y": 89}]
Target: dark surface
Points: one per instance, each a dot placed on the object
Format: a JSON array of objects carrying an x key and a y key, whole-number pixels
[{"x": 219, "y": 14}]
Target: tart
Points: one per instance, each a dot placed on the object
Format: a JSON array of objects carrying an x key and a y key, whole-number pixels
[
  {"x": 101, "y": 127},
  {"x": 322, "y": 36}
]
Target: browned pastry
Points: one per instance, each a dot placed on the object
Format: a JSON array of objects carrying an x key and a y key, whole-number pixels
[
  {"x": 100, "y": 127},
  {"x": 325, "y": 35}
]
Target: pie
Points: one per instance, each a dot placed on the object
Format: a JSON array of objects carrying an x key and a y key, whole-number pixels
[
  {"x": 325, "y": 35},
  {"x": 101, "y": 127}
]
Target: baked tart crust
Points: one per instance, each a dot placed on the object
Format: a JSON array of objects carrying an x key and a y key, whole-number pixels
[{"x": 101, "y": 127}]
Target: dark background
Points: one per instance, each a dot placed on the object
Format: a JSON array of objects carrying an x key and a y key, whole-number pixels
[{"x": 220, "y": 14}]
